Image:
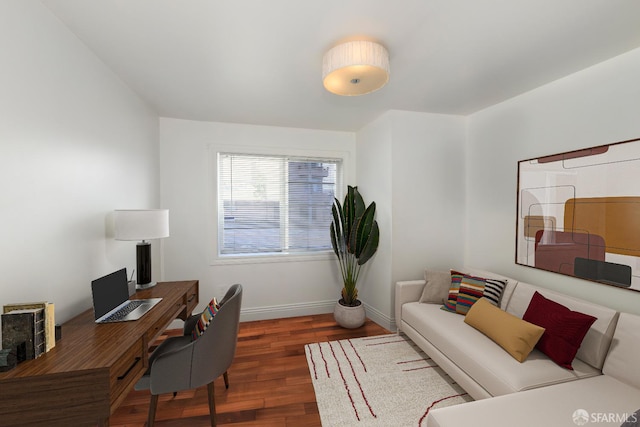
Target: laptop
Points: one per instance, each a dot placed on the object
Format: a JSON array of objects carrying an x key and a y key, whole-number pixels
[{"x": 111, "y": 301}]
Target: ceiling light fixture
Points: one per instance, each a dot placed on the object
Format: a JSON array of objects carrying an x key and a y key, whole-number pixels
[{"x": 355, "y": 68}]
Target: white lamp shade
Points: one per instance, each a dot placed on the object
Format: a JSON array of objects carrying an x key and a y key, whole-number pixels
[
  {"x": 141, "y": 224},
  {"x": 355, "y": 68}
]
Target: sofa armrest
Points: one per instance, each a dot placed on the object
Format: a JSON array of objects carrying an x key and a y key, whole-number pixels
[{"x": 406, "y": 291}]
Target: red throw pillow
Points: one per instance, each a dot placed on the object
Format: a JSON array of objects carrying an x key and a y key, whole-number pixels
[{"x": 564, "y": 329}]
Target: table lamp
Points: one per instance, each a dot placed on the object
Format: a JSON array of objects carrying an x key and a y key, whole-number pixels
[{"x": 142, "y": 225}]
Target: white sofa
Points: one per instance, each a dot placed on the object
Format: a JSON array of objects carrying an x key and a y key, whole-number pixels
[{"x": 605, "y": 381}]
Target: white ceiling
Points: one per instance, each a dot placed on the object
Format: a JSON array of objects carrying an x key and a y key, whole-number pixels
[{"x": 260, "y": 61}]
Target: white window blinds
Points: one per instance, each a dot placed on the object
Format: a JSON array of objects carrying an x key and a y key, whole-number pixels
[{"x": 274, "y": 204}]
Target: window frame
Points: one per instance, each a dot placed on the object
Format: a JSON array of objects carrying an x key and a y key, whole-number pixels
[{"x": 216, "y": 258}]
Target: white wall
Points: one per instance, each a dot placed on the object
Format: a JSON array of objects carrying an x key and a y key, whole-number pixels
[
  {"x": 428, "y": 193},
  {"x": 76, "y": 144},
  {"x": 272, "y": 289},
  {"x": 596, "y": 106},
  {"x": 375, "y": 179},
  {"x": 411, "y": 164}
]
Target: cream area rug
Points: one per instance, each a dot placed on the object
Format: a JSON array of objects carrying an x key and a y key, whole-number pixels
[{"x": 383, "y": 380}]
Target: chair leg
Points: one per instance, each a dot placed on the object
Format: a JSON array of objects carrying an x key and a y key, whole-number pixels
[
  {"x": 212, "y": 404},
  {"x": 226, "y": 379},
  {"x": 152, "y": 410}
]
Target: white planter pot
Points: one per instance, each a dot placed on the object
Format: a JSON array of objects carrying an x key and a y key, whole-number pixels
[{"x": 349, "y": 317}]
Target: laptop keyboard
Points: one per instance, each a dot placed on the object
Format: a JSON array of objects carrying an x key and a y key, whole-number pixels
[{"x": 118, "y": 315}]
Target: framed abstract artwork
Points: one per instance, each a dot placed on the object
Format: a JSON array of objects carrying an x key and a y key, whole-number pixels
[{"x": 579, "y": 214}]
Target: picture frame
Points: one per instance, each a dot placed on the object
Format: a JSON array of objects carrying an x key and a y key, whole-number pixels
[{"x": 578, "y": 214}]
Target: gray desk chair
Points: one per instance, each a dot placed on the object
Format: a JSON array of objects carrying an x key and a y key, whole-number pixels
[{"x": 180, "y": 363}]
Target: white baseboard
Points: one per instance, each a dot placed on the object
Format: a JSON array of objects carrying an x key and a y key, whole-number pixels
[
  {"x": 380, "y": 318},
  {"x": 286, "y": 310},
  {"x": 277, "y": 312},
  {"x": 306, "y": 309}
]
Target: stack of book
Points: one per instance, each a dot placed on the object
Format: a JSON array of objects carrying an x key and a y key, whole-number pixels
[{"x": 28, "y": 329}]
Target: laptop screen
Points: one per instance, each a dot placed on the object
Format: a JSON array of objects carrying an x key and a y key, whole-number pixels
[{"x": 109, "y": 292}]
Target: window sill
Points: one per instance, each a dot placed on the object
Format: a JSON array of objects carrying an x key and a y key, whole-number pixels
[{"x": 270, "y": 258}]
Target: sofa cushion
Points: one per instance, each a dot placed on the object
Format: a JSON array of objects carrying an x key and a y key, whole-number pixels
[
  {"x": 597, "y": 340},
  {"x": 480, "y": 358},
  {"x": 516, "y": 336},
  {"x": 436, "y": 289},
  {"x": 550, "y": 406},
  {"x": 621, "y": 362},
  {"x": 564, "y": 328}
]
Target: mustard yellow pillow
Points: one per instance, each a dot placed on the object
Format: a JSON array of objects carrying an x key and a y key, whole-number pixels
[{"x": 518, "y": 337}]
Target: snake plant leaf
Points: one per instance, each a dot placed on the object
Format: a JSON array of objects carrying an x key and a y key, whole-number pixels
[
  {"x": 353, "y": 209},
  {"x": 358, "y": 203},
  {"x": 372, "y": 244},
  {"x": 363, "y": 229},
  {"x": 337, "y": 233},
  {"x": 334, "y": 239},
  {"x": 338, "y": 208},
  {"x": 348, "y": 208}
]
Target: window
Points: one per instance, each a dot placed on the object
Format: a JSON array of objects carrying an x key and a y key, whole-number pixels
[{"x": 274, "y": 204}]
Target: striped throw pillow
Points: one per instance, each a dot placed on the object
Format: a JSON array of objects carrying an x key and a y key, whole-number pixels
[
  {"x": 450, "y": 302},
  {"x": 205, "y": 319},
  {"x": 471, "y": 290},
  {"x": 493, "y": 290}
]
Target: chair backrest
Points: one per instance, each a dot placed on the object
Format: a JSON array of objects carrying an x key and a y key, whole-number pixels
[{"x": 213, "y": 352}]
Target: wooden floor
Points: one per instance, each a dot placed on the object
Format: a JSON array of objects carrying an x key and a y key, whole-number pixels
[{"x": 269, "y": 379}]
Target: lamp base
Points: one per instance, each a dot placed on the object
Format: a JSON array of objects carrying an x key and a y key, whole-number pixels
[
  {"x": 143, "y": 263},
  {"x": 140, "y": 286}
]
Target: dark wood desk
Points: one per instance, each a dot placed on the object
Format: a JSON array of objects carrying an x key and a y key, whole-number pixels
[{"x": 84, "y": 378}]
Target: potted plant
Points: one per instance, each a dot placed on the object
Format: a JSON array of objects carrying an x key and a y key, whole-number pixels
[{"x": 354, "y": 237}]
